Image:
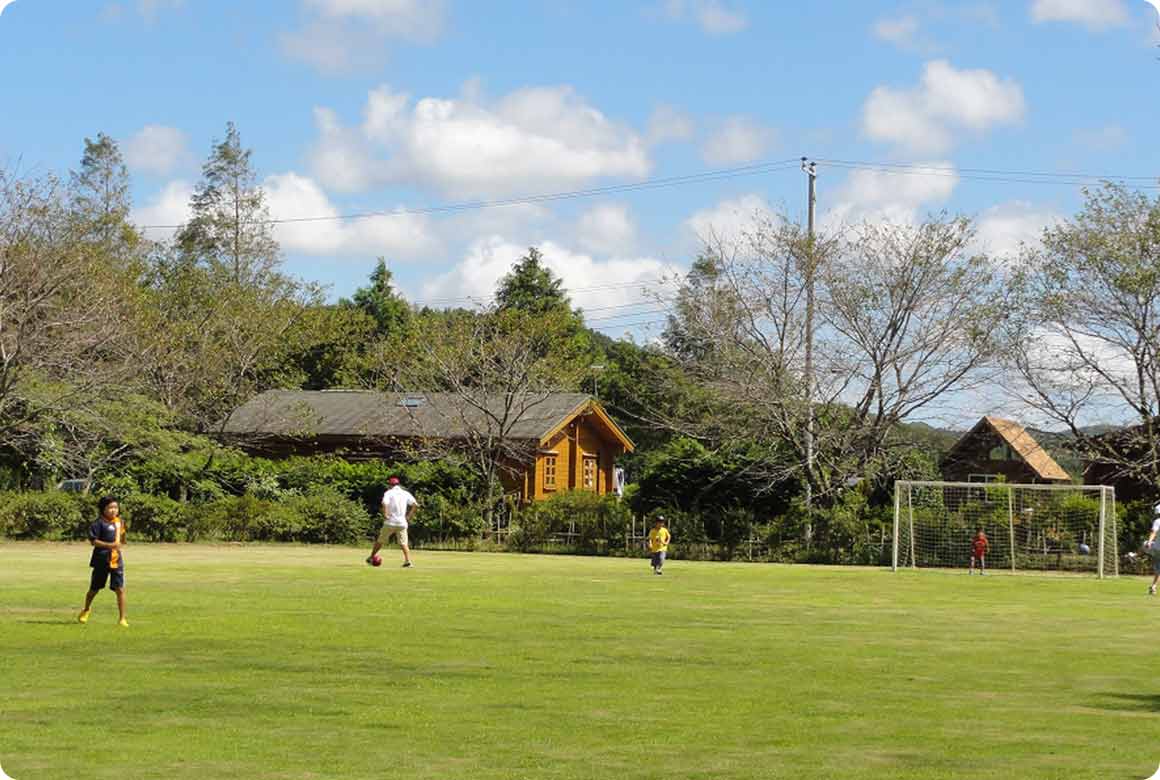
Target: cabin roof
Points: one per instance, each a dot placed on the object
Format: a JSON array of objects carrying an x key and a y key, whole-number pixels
[
  {"x": 1022, "y": 442},
  {"x": 367, "y": 414}
]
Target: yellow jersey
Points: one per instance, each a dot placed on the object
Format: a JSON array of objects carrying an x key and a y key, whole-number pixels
[{"x": 658, "y": 540}]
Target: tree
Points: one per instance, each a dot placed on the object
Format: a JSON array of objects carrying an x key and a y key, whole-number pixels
[
  {"x": 381, "y": 302},
  {"x": 905, "y": 316},
  {"x": 62, "y": 323},
  {"x": 1087, "y": 334},
  {"x": 230, "y": 231},
  {"x": 100, "y": 197},
  {"x": 205, "y": 344},
  {"x": 532, "y": 287},
  {"x": 497, "y": 368}
]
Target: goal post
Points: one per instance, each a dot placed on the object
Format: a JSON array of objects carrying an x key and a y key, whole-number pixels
[{"x": 1070, "y": 528}]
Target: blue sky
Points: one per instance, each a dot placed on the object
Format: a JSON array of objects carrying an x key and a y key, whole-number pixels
[{"x": 382, "y": 105}]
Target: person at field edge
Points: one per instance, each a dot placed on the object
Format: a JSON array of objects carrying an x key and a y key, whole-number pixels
[
  {"x": 1152, "y": 551},
  {"x": 107, "y": 537},
  {"x": 979, "y": 548},
  {"x": 658, "y": 544},
  {"x": 398, "y": 507}
]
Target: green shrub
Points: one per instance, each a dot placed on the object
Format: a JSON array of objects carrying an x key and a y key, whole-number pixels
[
  {"x": 441, "y": 518},
  {"x": 53, "y": 516},
  {"x": 155, "y": 518},
  {"x": 583, "y": 521},
  {"x": 322, "y": 517}
]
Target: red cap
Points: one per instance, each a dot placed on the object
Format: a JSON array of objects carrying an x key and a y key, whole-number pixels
[{"x": 393, "y": 481}]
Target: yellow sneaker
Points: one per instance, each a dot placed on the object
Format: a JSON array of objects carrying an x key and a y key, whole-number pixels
[
  {"x": 123, "y": 623},
  {"x": 84, "y": 616}
]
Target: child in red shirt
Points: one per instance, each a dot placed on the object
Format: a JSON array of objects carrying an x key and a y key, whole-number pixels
[{"x": 979, "y": 547}]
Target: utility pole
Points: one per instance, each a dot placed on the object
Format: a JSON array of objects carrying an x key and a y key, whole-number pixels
[
  {"x": 596, "y": 369},
  {"x": 811, "y": 172}
]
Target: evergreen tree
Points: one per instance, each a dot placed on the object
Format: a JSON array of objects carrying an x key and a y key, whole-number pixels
[
  {"x": 230, "y": 231},
  {"x": 532, "y": 287},
  {"x": 100, "y": 197},
  {"x": 381, "y": 301}
]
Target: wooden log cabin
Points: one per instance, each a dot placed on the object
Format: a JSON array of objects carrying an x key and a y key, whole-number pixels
[
  {"x": 557, "y": 441},
  {"x": 1001, "y": 450}
]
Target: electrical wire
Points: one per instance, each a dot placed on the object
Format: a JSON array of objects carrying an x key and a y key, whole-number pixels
[
  {"x": 1066, "y": 178},
  {"x": 612, "y": 189}
]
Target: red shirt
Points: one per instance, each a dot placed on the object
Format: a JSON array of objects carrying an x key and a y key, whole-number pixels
[{"x": 979, "y": 546}]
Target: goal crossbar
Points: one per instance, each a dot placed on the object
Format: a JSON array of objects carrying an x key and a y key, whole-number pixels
[{"x": 1028, "y": 527}]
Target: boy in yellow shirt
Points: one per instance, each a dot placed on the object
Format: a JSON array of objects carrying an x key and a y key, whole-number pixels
[{"x": 658, "y": 544}]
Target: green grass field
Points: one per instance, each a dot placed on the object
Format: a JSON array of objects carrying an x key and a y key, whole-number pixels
[{"x": 296, "y": 662}]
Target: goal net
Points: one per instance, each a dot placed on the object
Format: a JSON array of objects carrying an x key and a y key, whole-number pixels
[{"x": 1028, "y": 527}]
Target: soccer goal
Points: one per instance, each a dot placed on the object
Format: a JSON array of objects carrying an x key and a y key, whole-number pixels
[{"x": 1028, "y": 527}]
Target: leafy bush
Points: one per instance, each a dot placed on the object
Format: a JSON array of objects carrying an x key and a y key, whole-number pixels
[
  {"x": 154, "y": 518},
  {"x": 441, "y": 518},
  {"x": 52, "y": 516},
  {"x": 584, "y": 521},
  {"x": 322, "y": 517}
]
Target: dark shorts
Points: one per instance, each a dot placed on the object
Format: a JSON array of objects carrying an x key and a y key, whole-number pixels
[
  {"x": 658, "y": 559},
  {"x": 102, "y": 574}
]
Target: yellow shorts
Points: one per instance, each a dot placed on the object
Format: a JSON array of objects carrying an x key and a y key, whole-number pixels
[{"x": 393, "y": 530}]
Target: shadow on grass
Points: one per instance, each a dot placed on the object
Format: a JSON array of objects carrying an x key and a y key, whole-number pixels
[
  {"x": 1128, "y": 702},
  {"x": 50, "y": 621}
]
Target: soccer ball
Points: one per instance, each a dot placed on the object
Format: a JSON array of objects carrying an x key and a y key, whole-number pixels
[
  {"x": 377, "y": 561},
  {"x": 1084, "y": 549}
]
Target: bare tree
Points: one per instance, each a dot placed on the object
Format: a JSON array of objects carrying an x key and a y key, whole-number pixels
[
  {"x": 1088, "y": 347},
  {"x": 497, "y": 371},
  {"x": 906, "y": 315},
  {"x": 61, "y": 319}
]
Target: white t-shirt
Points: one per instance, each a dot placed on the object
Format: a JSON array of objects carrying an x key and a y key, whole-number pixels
[
  {"x": 1156, "y": 525},
  {"x": 396, "y": 501}
]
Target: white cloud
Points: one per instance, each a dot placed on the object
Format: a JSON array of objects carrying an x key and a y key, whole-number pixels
[
  {"x": 170, "y": 207},
  {"x": 900, "y": 198},
  {"x": 1003, "y": 230},
  {"x": 730, "y": 220},
  {"x": 923, "y": 119},
  {"x": 292, "y": 196},
  {"x": 712, "y": 16},
  {"x": 738, "y": 140},
  {"x": 4, "y": 4},
  {"x": 669, "y": 123},
  {"x": 157, "y": 149},
  {"x": 902, "y": 31},
  {"x": 530, "y": 140},
  {"x": 1102, "y": 139},
  {"x": 343, "y": 35},
  {"x": 1093, "y": 14},
  {"x": 148, "y": 10},
  {"x": 622, "y": 281},
  {"x": 607, "y": 229}
]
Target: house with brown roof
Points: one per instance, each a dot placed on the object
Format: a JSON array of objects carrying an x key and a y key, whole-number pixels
[
  {"x": 1000, "y": 450},
  {"x": 553, "y": 442}
]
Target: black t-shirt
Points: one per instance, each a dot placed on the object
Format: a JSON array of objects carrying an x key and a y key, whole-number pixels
[{"x": 104, "y": 531}]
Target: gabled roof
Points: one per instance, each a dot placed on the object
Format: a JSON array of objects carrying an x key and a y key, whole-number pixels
[
  {"x": 1022, "y": 442},
  {"x": 367, "y": 414}
]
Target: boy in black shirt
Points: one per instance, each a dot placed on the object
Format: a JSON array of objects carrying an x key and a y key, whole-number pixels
[{"x": 107, "y": 536}]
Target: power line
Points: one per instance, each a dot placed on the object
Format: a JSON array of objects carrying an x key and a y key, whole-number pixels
[
  {"x": 612, "y": 189},
  {"x": 994, "y": 175},
  {"x": 643, "y": 284}
]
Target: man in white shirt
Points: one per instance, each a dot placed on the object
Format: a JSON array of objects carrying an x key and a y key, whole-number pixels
[
  {"x": 1154, "y": 552},
  {"x": 398, "y": 508}
]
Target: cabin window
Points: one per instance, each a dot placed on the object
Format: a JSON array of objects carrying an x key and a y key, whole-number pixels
[
  {"x": 1002, "y": 452},
  {"x": 983, "y": 478},
  {"x": 549, "y": 472},
  {"x": 589, "y": 472}
]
